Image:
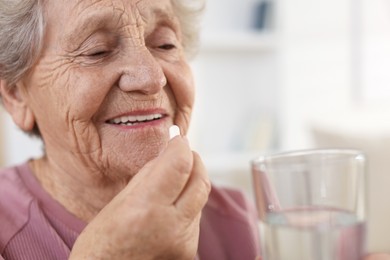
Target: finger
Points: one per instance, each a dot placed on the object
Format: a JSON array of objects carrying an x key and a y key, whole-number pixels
[
  {"x": 165, "y": 177},
  {"x": 377, "y": 257},
  {"x": 196, "y": 192}
]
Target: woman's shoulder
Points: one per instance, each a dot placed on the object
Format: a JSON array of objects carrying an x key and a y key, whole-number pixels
[
  {"x": 14, "y": 203},
  {"x": 228, "y": 227},
  {"x": 11, "y": 183},
  {"x": 231, "y": 202}
]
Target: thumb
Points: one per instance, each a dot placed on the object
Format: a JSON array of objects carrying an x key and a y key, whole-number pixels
[{"x": 377, "y": 257}]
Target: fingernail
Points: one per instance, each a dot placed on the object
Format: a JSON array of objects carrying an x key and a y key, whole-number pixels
[{"x": 174, "y": 130}]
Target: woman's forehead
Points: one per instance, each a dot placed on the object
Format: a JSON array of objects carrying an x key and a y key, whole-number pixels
[
  {"x": 84, "y": 16},
  {"x": 144, "y": 5},
  {"x": 130, "y": 10}
]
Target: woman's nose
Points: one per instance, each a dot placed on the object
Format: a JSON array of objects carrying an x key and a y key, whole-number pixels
[{"x": 142, "y": 73}]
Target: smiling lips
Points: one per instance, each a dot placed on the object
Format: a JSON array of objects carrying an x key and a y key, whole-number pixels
[{"x": 135, "y": 120}]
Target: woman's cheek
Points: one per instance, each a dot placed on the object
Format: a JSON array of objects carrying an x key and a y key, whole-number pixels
[{"x": 183, "y": 88}]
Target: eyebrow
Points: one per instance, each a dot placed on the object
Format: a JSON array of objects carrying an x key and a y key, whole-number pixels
[
  {"x": 163, "y": 17},
  {"x": 166, "y": 18},
  {"x": 159, "y": 15}
]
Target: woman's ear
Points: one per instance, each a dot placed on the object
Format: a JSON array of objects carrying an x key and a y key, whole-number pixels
[{"x": 16, "y": 104}]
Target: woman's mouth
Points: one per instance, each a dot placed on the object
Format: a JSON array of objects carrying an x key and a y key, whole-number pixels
[{"x": 135, "y": 119}]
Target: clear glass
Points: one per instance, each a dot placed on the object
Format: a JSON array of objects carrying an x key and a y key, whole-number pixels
[{"x": 311, "y": 204}]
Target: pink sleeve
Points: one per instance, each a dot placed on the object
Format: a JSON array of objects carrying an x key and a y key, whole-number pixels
[
  {"x": 249, "y": 212},
  {"x": 229, "y": 222}
]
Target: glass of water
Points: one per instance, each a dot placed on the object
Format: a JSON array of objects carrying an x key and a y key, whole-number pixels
[{"x": 311, "y": 204}]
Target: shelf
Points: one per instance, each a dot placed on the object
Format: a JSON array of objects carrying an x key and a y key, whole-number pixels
[{"x": 250, "y": 41}]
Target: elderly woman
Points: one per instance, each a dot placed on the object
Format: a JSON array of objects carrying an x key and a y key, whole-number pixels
[{"x": 101, "y": 82}]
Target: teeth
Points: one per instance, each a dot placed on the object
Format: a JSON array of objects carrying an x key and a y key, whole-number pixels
[
  {"x": 131, "y": 120},
  {"x": 117, "y": 120}
]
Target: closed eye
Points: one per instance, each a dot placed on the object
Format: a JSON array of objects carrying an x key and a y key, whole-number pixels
[
  {"x": 97, "y": 54},
  {"x": 167, "y": 46}
]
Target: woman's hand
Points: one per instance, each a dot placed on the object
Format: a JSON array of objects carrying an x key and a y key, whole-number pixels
[
  {"x": 156, "y": 216},
  {"x": 378, "y": 257},
  {"x": 369, "y": 257}
]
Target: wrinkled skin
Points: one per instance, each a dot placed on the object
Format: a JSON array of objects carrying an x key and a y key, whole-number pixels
[
  {"x": 378, "y": 257},
  {"x": 153, "y": 217},
  {"x": 103, "y": 59},
  {"x": 368, "y": 257}
]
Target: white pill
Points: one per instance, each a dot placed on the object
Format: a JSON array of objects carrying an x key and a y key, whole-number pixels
[{"x": 174, "y": 130}]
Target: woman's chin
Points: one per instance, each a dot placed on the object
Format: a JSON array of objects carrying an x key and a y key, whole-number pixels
[{"x": 128, "y": 158}]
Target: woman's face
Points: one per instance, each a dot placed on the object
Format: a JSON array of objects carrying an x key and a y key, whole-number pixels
[{"x": 111, "y": 80}]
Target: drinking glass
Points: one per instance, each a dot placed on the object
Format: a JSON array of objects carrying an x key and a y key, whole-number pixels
[{"x": 311, "y": 204}]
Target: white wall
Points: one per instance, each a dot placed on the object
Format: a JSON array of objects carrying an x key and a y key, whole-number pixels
[
  {"x": 335, "y": 57},
  {"x": 17, "y": 146},
  {"x": 315, "y": 65},
  {"x": 375, "y": 47},
  {"x": 236, "y": 113}
]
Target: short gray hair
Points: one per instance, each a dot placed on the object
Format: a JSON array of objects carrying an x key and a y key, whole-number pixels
[
  {"x": 189, "y": 13},
  {"x": 21, "y": 37},
  {"x": 22, "y": 31}
]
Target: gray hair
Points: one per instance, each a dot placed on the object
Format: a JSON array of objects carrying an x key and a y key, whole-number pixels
[
  {"x": 22, "y": 31},
  {"x": 188, "y": 12},
  {"x": 21, "y": 37}
]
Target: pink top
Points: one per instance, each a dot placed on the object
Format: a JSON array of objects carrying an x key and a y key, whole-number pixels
[{"x": 35, "y": 226}]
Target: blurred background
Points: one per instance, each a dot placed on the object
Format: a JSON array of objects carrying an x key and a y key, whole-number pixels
[{"x": 277, "y": 75}]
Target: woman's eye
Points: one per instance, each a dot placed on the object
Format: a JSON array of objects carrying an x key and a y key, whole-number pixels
[
  {"x": 97, "y": 54},
  {"x": 167, "y": 46}
]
